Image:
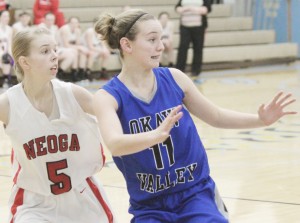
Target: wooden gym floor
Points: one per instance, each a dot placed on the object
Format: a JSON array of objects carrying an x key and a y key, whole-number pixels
[{"x": 257, "y": 171}]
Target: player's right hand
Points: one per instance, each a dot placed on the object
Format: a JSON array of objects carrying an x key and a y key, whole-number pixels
[{"x": 166, "y": 126}]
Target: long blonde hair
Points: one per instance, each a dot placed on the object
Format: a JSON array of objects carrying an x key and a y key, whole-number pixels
[{"x": 21, "y": 46}]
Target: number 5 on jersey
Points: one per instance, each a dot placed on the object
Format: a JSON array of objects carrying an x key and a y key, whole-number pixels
[{"x": 61, "y": 182}]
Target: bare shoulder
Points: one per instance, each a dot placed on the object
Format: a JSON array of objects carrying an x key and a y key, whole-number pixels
[
  {"x": 90, "y": 30},
  {"x": 4, "y": 108},
  {"x": 181, "y": 78},
  {"x": 178, "y": 74},
  {"x": 102, "y": 97},
  {"x": 79, "y": 91},
  {"x": 64, "y": 29},
  {"x": 89, "y": 33},
  {"x": 83, "y": 97}
]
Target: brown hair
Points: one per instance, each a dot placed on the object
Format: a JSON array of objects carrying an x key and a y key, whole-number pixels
[
  {"x": 21, "y": 45},
  {"x": 112, "y": 29}
]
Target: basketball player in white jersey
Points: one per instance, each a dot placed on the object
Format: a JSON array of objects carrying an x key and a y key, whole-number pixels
[{"x": 55, "y": 140}]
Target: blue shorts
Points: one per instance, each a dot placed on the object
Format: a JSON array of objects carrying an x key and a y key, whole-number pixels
[{"x": 201, "y": 203}]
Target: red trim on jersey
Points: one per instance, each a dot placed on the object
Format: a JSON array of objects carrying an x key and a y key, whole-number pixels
[
  {"x": 17, "y": 174},
  {"x": 12, "y": 156},
  {"x": 17, "y": 202},
  {"x": 98, "y": 195},
  {"x": 103, "y": 155}
]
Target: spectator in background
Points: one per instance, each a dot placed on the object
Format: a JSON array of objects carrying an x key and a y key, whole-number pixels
[
  {"x": 167, "y": 38},
  {"x": 49, "y": 23},
  {"x": 67, "y": 57},
  {"x": 24, "y": 20},
  {"x": 6, "y": 61},
  {"x": 97, "y": 50},
  {"x": 69, "y": 36},
  {"x": 4, "y": 5},
  {"x": 193, "y": 23},
  {"x": 42, "y": 7}
]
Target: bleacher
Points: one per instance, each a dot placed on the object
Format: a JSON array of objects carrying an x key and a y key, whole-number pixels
[{"x": 229, "y": 42}]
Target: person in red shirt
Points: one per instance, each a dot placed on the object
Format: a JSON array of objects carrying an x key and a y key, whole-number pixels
[
  {"x": 42, "y": 7},
  {"x": 4, "y": 5}
]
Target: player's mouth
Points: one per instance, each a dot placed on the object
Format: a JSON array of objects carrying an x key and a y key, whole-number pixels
[
  {"x": 155, "y": 57},
  {"x": 54, "y": 69}
]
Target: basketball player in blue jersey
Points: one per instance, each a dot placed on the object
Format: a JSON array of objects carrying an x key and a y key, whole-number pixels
[
  {"x": 147, "y": 126},
  {"x": 55, "y": 139}
]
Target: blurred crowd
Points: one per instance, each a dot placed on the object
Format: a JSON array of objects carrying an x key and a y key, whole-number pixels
[{"x": 78, "y": 49}]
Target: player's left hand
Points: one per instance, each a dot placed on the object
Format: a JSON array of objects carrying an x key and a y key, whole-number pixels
[{"x": 274, "y": 110}]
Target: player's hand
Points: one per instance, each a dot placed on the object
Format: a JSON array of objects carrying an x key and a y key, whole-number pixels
[
  {"x": 274, "y": 110},
  {"x": 166, "y": 126}
]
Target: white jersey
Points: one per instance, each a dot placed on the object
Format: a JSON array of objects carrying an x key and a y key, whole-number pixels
[
  {"x": 18, "y": 26},
  {"x": 72, "y": 36},
  {"x": 96, "y": 38},
  {"x": 5, "y": 38},
  {"x": 52, "y": 156}
]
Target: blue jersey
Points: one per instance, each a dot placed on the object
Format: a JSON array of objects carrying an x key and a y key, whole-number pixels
[{"x": 174, "y": 165}]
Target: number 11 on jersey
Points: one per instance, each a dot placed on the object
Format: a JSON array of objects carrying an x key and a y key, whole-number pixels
[{"x": 156, "y": 149}]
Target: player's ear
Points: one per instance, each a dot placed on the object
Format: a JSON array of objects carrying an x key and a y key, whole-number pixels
[
  {"x": 125, "y": 45},
  {"x": 23, "y": 62}
]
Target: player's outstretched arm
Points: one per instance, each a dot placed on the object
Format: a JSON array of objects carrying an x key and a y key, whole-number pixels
[
  {"x": 219, "y": 117},
  {"x": 119, "y": 144},
  {"x": 266, "y": 115}
]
